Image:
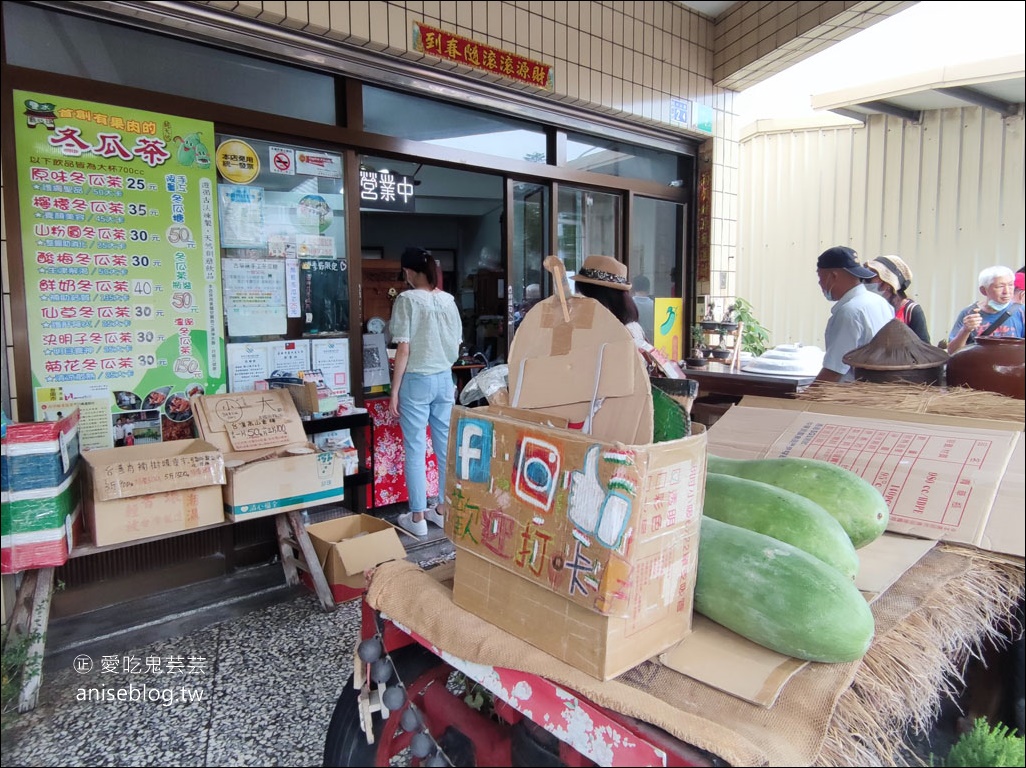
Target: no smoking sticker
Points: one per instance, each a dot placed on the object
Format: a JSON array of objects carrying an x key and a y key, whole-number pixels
[{"x": 283, "y": 160}]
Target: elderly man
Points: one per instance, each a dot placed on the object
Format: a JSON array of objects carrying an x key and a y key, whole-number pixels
[
  {"x": 857, "y": 314},
  {"x": 994, "y": 314}
]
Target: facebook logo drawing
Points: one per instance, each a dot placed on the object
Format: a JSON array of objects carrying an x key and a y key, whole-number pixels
[{"x": 474, "y": 450}]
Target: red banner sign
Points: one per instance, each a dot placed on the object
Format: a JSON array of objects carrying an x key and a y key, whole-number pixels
[{"x": 446, "y": 45}]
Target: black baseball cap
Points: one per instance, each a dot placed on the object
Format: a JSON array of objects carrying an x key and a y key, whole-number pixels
[{"x": 842, "y": 257}]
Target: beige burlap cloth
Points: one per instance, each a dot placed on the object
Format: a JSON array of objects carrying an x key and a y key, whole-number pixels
[{"x": 928, "y": 623}]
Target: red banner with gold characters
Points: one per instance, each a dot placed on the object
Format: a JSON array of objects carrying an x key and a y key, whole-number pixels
[{"x": 463, "y": 50}]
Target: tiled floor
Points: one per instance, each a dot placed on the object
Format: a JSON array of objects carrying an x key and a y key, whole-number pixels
[{"x": 253, "y": 689}]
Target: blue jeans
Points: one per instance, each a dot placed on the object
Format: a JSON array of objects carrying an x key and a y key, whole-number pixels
[{"x": 425, "y": 399}]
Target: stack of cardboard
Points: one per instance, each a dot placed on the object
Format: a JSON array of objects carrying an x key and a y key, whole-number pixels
[
  {"x": 271, "y": 465},
  {"x": 582, "y": 541},
  {"x": 40, "y": 501},
  {"x": 152, "y": 490}
]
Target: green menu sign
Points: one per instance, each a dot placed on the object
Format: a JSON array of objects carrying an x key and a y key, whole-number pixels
[{"x": 122, "y": 271}]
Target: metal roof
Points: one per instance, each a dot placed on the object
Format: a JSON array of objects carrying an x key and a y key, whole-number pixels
[{"x": 996, "y": 84}]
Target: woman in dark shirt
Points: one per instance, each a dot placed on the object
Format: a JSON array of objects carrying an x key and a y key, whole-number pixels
[{"x": 893, "y": 278}]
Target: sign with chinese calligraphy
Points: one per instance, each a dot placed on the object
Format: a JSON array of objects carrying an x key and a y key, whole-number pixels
[
  {"x": 383, "y": 190},
  {"x": 463, "y": 50},
  {"x": 118, "y": 217}
]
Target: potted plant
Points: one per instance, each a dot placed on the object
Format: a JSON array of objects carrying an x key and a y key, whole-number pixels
[
  {"x": 754, "y": 337},
  {"x": 697, "y": 342}
]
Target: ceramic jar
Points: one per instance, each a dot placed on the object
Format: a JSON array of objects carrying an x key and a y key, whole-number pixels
[{"x": 994, "y": 365}]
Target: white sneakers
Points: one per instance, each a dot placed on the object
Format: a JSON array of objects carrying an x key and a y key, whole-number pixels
[
  {"x": 419, "y": 529},
  {"x": 416, "y": 530},
  {"x": 432, "y": 515}
]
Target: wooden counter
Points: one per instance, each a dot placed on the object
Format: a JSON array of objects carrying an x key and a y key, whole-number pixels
[{"x": 718, "y": 379}]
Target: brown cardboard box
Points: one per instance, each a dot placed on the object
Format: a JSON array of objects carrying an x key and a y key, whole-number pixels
[
  {"x": 118, "y": 473},
  {"x": 150, "y": 490},
  {"x": 348, "y": 546},
  {"x": 584, "y": 548},
  {"x": 271, "y": 465},
  {"x": 945, "y": 478}
]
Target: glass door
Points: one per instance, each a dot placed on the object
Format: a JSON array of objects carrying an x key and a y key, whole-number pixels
[
  {"x": 588, "y": 224},
  {"x": 658, "y": 237},
  {"x": 529, "y": 244}
]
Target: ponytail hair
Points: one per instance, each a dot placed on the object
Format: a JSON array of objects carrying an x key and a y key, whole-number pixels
[{"x": 420, "y": 260}]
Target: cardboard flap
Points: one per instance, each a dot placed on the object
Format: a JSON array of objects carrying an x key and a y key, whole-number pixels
[
  {"x": 248, "y": 421},
  {"x": 714, "y": 655},
  {"x": 944, "y": 478},
  {"x": 583, "y": 374},
  {"x": 369, "y": 549}
]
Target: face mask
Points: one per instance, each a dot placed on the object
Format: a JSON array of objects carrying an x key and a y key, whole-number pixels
[
  {"x": 826, "y": 294},
  {"x": 998, "y": 307},
  {"x": 876, "y": 288}
]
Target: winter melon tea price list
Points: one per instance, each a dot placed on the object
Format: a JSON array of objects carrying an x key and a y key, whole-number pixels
[{"x": 119, "y": 233}]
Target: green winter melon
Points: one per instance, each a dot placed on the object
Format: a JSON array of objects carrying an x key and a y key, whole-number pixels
[
  {"x": 778, "y": 596},
  {"x": 783, "y": 515},
  {"x": 855, "y": 503}
]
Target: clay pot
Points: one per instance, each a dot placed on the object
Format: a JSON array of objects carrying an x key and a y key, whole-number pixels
[{"x": 994, "y": 365}]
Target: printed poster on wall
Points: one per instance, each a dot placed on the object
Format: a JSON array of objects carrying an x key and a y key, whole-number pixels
[{"x": 122, "y": 274}]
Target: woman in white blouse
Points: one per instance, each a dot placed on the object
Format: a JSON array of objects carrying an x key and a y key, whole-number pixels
[{"x": 428, "y": 330}]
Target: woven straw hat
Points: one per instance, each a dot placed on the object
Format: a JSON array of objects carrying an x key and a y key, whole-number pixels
[
  {"x": 603, "y": 270},
  {"x": 893, "y": 271}
]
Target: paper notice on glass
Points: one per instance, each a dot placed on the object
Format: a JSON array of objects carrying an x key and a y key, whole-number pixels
[
  {"x": 247, "y": 363},
  {"x": 331, "y": 356},
  {"x": 315, "y": 246},
  {"x": 254, "y": 296},
  {"x": 241, "y": 213},
  {"x": 375, "y": 360},
  {"x": 292, "y": 302},
  {"x": 292, "y": 355}
]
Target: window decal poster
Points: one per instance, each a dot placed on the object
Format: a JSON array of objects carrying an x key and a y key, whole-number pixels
[{"x": 122, "y": 273}]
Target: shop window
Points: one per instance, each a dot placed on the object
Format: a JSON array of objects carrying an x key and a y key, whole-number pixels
[
  {"x": 71, "y": 45},
  {"x": 617, "y": 158},
  {"x": 284, "y": 264},
  {"x": 434, "y": 122}
]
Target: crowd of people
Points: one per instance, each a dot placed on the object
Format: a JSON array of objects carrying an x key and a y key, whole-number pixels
[{"x": 867, "y": 296}]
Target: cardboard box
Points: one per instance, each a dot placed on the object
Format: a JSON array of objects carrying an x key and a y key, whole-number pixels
[
  {"x": 137, "y": 470},
  {"x": 154, "y": 514},
  {"x": 348, "y": 546},
  {"x": 271, "y": 465},
  {"x": 945, "y": 478},
  {"x": 584, "y": 548},
  {"x": 150, "y": 490}
]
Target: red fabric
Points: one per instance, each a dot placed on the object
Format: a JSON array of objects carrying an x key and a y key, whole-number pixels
[{"x": 389, "y": 484}]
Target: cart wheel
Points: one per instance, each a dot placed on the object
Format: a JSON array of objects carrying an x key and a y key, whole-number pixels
[{"x": 346, "y": 744}]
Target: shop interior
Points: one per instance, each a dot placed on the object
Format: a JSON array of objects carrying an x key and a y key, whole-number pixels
[{"x": 457, "y": 215}]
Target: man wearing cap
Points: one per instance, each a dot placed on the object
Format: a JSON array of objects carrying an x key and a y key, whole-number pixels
[{"x": 857, "y": 314}]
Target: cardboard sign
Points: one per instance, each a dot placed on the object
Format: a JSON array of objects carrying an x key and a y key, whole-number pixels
[
  {"x": 944, "y": 478},
  {"x": 612, "y": 528}
]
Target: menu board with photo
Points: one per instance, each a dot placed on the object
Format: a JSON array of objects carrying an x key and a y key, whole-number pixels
[{"x": 119, "y": 229}]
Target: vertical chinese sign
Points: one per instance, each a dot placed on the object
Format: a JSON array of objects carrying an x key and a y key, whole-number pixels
[{"x": 122, "y": 275}]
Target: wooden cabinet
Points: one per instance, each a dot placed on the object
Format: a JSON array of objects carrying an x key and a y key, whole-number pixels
[{"x": 379, "y": 276}]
